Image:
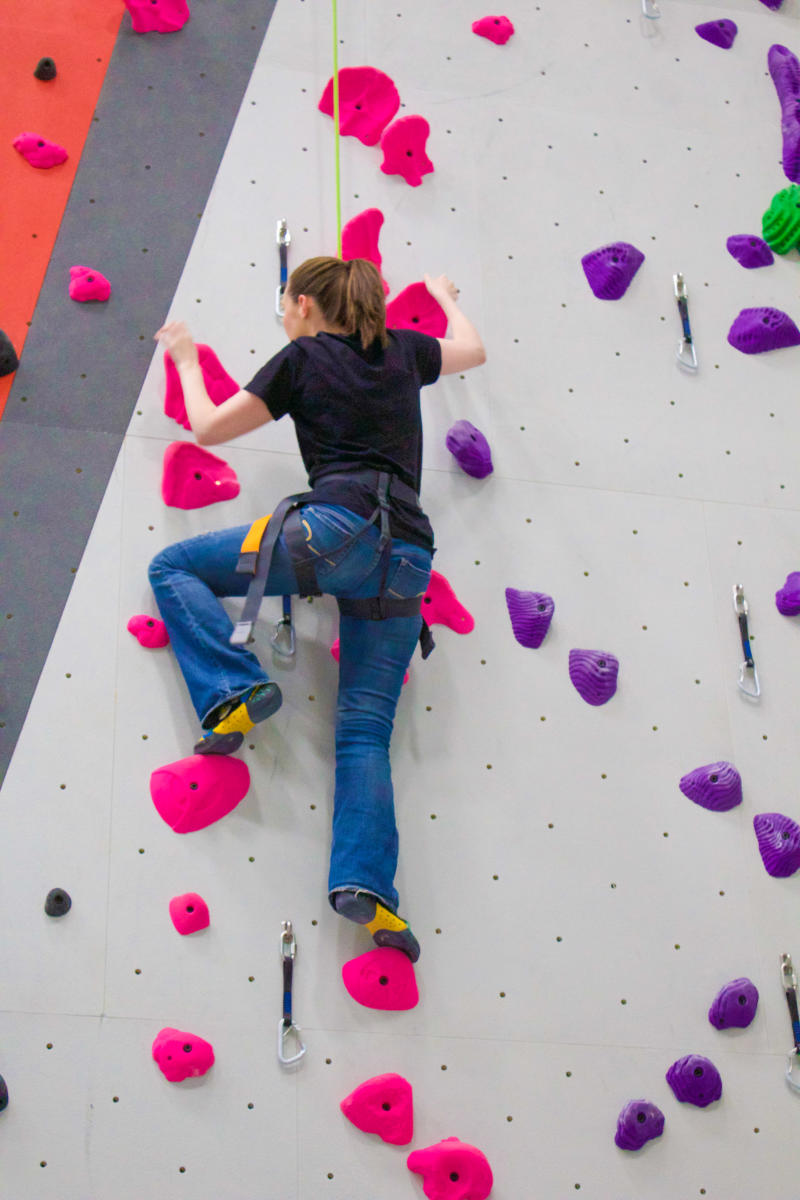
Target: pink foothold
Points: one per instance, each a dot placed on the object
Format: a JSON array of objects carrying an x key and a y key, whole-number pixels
[
  {"x": 360, "y": 239},
  {"x": 193, "y": 477},
  {"x": 496, "y": 29},
  {"x": 415, "y": 308},
  {"x": 189, "y": 913},
  {"x": 368, "y": 100},
  {"x": 195, "y": 792},
  {"x": 382, "y": 978},
  {"x": 219, "y": 384},
  {"x": 182, "y": 1055},
  {"x": 452, "y": 1170},
  {"x": 403, "y": 146},
  {"x": 148, "y": 631},
  {"x": 157, "y": 16},
  {"x": 88, "y": 284},
  {"x": 441, "y": 606},
  {"x": 38, "y": 151},
  {"x": 335, "y": 653},
  {"x": 383, "y": 1105}
]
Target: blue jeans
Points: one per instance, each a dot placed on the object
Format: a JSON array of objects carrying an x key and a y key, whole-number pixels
[{"x": 188, "y": 577}]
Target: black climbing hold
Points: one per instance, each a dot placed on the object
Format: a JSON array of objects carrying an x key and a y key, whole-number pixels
[
  {"x": 58, "y": 903},
  {"x": 45, "y": 69},
  {"x": 8, "y": 355},
  {"x": 3, "y": 1094}
]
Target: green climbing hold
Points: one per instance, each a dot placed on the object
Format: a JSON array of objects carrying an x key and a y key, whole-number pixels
[{"x": 781, "y": 222}]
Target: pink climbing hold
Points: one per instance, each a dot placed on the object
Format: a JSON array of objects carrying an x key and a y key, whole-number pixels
[
  {"x": 189, "y": 913},
  {"x": 383, "y": 1105},
  {"x": 195, "y": 792},
  {"x": 335, "y": 653},
  {"x": 441, "y": 606},
  {"x": 368, "y": 100},
  {"x": 360, "y": 239},
  {"x": 182, "y": 1055},
  {"x": 157, "y": 16},
  {"x": 88, "y": 284},
  {"x": 403, "y": 146},
  {"x": 452, "y": 1170},
  {"x": 496, "y": 29},
  {"x": 38, "y": 151},
  {"x": 148, "y": 631},
  {"x": 219, "y": 384},
  {"x": 382, "y": 978},
  {"x": 193, "y": 477},
  {"x": 415, "y": 308}
]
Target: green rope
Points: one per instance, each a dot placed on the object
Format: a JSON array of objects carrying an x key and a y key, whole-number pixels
[{"x": 336, "y": 129}]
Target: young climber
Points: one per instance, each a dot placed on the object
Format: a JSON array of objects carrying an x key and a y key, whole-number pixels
[{"x": 352, "y": 389}]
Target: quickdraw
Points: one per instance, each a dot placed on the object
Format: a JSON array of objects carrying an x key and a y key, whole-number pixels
[
  {"x": 740, "y": 607},
  {"x": 284, "y": 241},
  {"x": 789, "y": 981},
  {"x": 286, "y": 1026},
  {"x": 686, "y": 355}
]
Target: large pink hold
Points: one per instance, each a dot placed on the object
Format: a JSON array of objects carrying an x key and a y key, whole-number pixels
[
  {"x": 787, "y": 598},
  {"x": 496, "y": 29},
  {"x": 452, "y": 1170},
  {"x": 38, "y": 151},
  {"x": 382, "y": 978},
  {"x": 368, "y": 100},
  {"x": 193, "y": 477},
  {"x": 403, "y": 146},
  {"x": 415, "y": 308},
  {"x": 360, "y": 239},
  {"x": 335, "y": 651},
  {"x": 182, "y": 1055},
  {"x": 189, "y": 913},
  {"x": 87, "y": 284},
  {"x": 756, "y": 330},
  {"x": 219, "y": 384},
  {"x": 383, "y": 1105},
  {"x": 441, "y": 606},
  {"x": 779, "y": 843},
  {"x": 148, "y": 631},
  {"x": 195, "y": 792},
  {"x": 157, "y": 16}
]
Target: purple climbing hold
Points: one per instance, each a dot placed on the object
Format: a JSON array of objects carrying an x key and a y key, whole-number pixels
[
  {"x": 749, "y": 251},
  {"x": 779, "y": 843},
  {"x": 787, "y": 598},
  {"x": 719, "y": 33},
  {"x": 785, "y": 71},
  {"x": 717, "y": 786},
  {"x": 756, "y": 330},
  {"x": 734, "y": 1005},
  {"x": 639, "y": 1122},
  {"x": 470, "y": 449},
  {"x": 610, "y": 269},
  {"x": 531, "y": 614},
  {"x": 773, "y": 4},
  {"x": 695, "y": 1080},
  {"x": 593, "y": 674}
]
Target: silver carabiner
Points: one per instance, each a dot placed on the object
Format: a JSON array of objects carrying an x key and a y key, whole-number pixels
[
  {"x": 282, "y": 640},
  {"x": 284, "y": 1032},
  {"x": 286, "y": 1026},
  {"x": 651, "y": 10},
  {"x": 740, "y": 607},
  {"x": 789, "y": 981}
]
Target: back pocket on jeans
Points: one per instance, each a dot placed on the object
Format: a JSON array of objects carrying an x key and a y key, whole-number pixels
[{"x": 407, "y": 580}]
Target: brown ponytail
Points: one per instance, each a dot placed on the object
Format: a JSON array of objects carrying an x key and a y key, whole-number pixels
[{"x": 349, "y": 295}]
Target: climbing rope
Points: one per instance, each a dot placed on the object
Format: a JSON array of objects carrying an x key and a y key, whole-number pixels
[{"x": 336, "y": 128}]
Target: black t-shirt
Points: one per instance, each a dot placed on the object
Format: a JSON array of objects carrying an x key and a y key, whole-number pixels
[{"x": 355, "y": 409}]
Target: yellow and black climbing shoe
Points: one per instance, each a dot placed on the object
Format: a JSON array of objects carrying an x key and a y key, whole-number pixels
[
  {"x": 236, "y": 718},
  {"x": 386, "y": 927}
]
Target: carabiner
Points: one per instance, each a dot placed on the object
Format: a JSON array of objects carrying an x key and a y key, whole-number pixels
[
  {"x": 685, "y": 354},
  {"x": 283, "y": 240},
  {"x": 650, "y": 9},
  {"x": 789, "y": 981},
  {"x": 286, "y": 1026},
  {"x": 282, "y": 640},
  {"x": 740, "y": 607}
]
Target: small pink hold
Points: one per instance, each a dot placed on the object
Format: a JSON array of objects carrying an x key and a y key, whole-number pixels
[
  {"x": 195, "y": 792},
  {"x": 88, "y": 284},
  {"x": 38, "y": 151},
  {"x": 441, "y": 606},
  {"x": 157, "y": 16},
  {"x": 382, "y": 978},
  {"x": 189, "y": 913},
  {"x": 368, "y": 100},
  {"x": 182, "y": 1055},
  {"x": 336, "y": 655},
  {"x": 193, "y": 477},
  {"x": 403, "y": 146},
  {"x": 148, "y": 631},
  {"x": 452, "y": 1170},
  {"x": 360, "y": 239},
  {"x": 496, "y": 29},
  {"x": 383, "y": 1105},
  {"x": 219, "y": 384},
  {"x": 415, "y": 308},
  {"x": 787, "y": 598}
]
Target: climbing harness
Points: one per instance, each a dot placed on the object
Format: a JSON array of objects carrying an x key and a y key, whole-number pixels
[
  {"x": 286, "y": 1026},
  {"x": 740, "y": 607},
  {"x": 685, "y": 353},
  {"x": 650, "y": 9},
  {"x": 789, "y": 980},
  {"x": 284, "y": 241}
]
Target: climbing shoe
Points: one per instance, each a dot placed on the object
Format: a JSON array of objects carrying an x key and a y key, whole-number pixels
[
  {"x": 236, "y": 718},
  {"x": 386, "y": 927}
]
